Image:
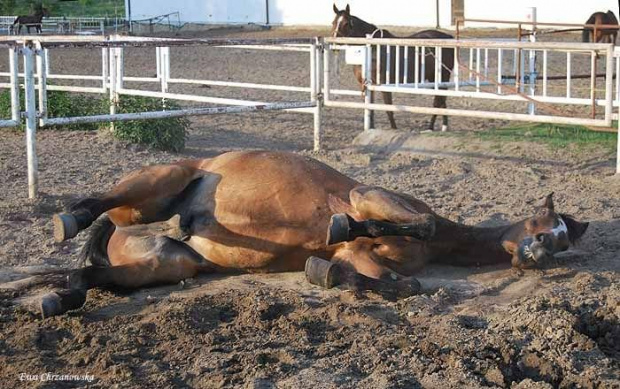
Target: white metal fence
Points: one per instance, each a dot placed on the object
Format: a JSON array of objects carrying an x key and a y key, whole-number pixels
[
  {"x": 68, "y": 25},
  {"x": 484, "y": 70}
]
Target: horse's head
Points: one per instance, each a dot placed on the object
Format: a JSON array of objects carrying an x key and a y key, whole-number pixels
[
  {"x": 343, "y": 22},
  {"x": 540, "y": 237}
]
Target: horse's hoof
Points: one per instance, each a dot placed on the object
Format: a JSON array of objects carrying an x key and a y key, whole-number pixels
[
  {"x": 409, "y": 287},
  {"x": 444, "y": 128},
  {"x": 426, "y": 227},
  {"x": 339, "y": 228},
  {"x": 65, "y": 226},
  {"x": 51, "y": 305},
  {"x": 322, "y": 273}
]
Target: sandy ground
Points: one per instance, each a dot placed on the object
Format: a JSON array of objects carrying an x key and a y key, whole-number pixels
[{"x": 474, "y": 327}]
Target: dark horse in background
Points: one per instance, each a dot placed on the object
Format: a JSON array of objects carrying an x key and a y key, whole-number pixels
[
  {"x": 347, "y": 25},
  {"x": 34, "y": 20},
  {"x": 601, "y": 35}
]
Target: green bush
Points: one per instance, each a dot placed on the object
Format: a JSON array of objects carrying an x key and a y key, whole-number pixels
[
  {"x": 61, "y": 104},
  {"x": 164, "y": 134}
]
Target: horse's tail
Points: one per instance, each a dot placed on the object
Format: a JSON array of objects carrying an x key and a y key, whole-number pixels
[{"x": 96, "y": 248}]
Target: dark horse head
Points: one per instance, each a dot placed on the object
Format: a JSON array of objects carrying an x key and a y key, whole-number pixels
[
  {"x": 347, "y": 25},
  {"x": 602, "y": 35},
  {"x": 534, "y": 241}
]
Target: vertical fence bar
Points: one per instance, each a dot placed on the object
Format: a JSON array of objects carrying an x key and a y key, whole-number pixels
[
  {"x": 388, "y": 64},
  {"x": 593, "y": 83},
  {"x": 326, "y": 58},
  {"x": 478, "y": 70},
  {"x": 486, "y": 63},
  {"x": 378, "y": 78},
  {"x": 617, "y": 80},
  {"x": 367, "y": 69},
  {"x": 471, "y": 64},
  {"x": 105, "y": 65},
  {"x": 315, "y": 78},
  {"x": 416, "y": 75},
  {"x": 112, "y": 84},
  {"x": 618, "y": 147},
  {"x": 515, "y": 66},
  {"x": 406, "y": 65},
  {"x": 31, "y": 120},
  {"x": 423, "y": 71},
  {"x": 457, "y": 69},
  {"x": 568, "y": 71},
  {"x": 46, "y": 53},
  {"x": 545, "y": 73},
  {"x": 531, "y": 107},
  {"x": 42, "y": 82},
  {"x": 438, "y": 52},
  {"x": 609, "y": 84},
  {"x": 15, "y": 101},
  {"x": 499, "y": 71},
  {"x": 397, "y": 66}
]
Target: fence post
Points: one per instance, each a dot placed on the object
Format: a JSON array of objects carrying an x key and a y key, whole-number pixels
[
  {"x": 42, "y": 83},
  {"x": 315, "y": 88},
  {"x": 31, "y": 120},
  {"x": 367, "y": 71},
  {"x": 609, "y": 84},
  {"x": 15, "y": 101},
  {"x": 531, "y": 107},
  {"x": 112, "y": 84}
]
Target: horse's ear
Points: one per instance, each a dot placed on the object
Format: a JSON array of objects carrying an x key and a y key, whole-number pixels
[
  {"x": 549, "y": 202},
  {"x": 575, "y": 229},
  {"x": 347, "y": 10},
  {"x": 336, "y": 9}
]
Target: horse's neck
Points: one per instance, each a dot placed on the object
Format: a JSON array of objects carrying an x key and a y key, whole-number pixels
[
  {"x": 460, "y": 244},
  {"x": 362, "y": 28}
]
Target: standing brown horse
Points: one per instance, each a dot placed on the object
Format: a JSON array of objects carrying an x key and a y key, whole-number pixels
[
  {"x": 602, "y": 35},
  {"x": 347, "y": 25},
  {"x": 169, "y": 222}
]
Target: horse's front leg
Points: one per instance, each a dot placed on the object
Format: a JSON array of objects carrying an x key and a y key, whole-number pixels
[
  {"x": 143, "y": 196},
  {"x": 361, "y": 269},
  {"x": 387, "y": 99},
  {"x": 377, "y": 212}
]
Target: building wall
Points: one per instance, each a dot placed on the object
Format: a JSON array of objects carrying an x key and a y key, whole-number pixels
[
  {"x": 549, "y": 11},
  {"x": 419, "y": 13},
  {"x": 294, "y": 12}
]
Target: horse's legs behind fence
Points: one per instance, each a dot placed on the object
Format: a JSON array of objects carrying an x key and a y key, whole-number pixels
[{"x": 387, "y": 99}]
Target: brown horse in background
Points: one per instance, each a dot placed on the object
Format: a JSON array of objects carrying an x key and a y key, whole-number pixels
[
  {"x": 34, "y": 20},
  {"x": 261, "y": 211},
  {"x": 603, "y": 35},
  {"x": 347, "y": 25}
]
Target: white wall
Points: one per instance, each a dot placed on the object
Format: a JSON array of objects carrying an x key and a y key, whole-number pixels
[
  {"x": 549, "y": 11},
  {"x": 419, "y": 13},
  {"x": 201, "y": 11}
]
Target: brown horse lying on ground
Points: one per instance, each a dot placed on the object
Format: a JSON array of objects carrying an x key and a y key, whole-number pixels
[
  {"x": 261, "y": 211},
  {"x": 347, "y": 25},
  {"x": 602, "y": 35}
]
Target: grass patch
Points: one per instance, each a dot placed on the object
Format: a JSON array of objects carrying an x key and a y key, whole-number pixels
[{"x": 553, "y": 135}]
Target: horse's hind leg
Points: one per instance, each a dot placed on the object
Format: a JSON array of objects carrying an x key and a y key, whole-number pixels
[
  {"x": 143, "y": 196},
  {"x": 387, "y": 99},
  {"x": 140, "y": 261},
  {"x": 440, "y": 102}
]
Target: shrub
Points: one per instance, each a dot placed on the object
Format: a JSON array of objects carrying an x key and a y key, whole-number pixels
[
  {"x": 61, "y": 104},
  {"x": 164, "y": 134}
]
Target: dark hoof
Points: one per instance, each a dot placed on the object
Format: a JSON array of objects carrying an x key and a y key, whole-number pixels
[
  {"x": 426, "y": 227},
  {"x": 51, "y": 305},
  {"x": 339, "y": 228},
  {"x": 322, "y": 273},
  {"x": 65, "y": 226},
  {"x": 57, "y": 303},
  {"x": 409, "y": 287}
]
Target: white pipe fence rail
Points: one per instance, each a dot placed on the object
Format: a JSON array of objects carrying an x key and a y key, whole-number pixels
[{"x": 486, "y": 70}]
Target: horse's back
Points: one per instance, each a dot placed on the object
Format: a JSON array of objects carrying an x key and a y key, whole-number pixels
[
  {"x": 431, "y": 34},
  {"x": 264, "y": 211}
]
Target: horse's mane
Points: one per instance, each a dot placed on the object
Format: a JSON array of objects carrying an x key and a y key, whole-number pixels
[{"x": 364, "y": 26}]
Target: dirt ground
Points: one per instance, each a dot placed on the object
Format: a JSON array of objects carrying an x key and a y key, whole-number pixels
[{"x": 472, "y": 327}]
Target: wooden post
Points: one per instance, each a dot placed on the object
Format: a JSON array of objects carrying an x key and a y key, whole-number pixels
[{"x": 31, "y": 120}]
